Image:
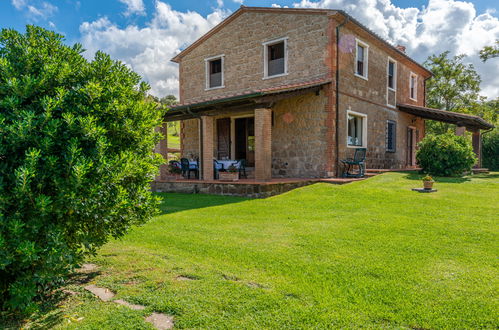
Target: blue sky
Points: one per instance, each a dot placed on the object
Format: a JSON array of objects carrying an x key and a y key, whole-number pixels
[{"x": 147, "y": 33}]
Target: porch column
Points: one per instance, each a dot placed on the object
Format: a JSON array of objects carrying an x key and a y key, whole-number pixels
[
  {"x": 476, "y": 141},
  {"x": 263, "y": 144},
  {"x": 207, "y": 148},
  {"x": 162, "y": 149}
]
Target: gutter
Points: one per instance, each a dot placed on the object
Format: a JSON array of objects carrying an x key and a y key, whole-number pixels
[{"x": 347, "y": 18}]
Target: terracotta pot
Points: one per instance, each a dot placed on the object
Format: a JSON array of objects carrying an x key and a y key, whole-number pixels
[
  {"x": 428, "y": 184},
  {"x": 228, "y": 176}
]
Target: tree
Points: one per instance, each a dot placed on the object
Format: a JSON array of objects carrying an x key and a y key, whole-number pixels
[
  {"x": 454, "y": 86},
  {"x": 76, "y": 160},
  {"x": 489, "y": 52}
]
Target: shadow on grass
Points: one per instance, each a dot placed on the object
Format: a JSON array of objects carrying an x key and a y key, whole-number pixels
[
  {"x": 49, "y": 313},
  {"x": 174, "y": 202}
]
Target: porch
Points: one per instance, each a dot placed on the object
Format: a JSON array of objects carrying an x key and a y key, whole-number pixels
[{"x": 223, "y": 131}]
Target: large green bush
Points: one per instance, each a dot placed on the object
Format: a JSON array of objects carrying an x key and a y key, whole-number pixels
[
  {"x": 490, "y": 150},
  {"x": 76, "y": 141},
  {"x": 445, "y": 155}
]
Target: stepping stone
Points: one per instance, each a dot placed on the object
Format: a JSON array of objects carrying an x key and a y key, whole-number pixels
[
  {"x": 87, "y": 268},
  {"x": 127, "y": 304},
  {"x": 186, "y": 278},
  {"x": 160, "y": 321},
  {"x": 103, "y": 293}
]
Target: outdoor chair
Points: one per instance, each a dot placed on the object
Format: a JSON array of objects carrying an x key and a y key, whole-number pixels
[
  {"x": 241, "y": 165},
  {"x": 359, "y": 159},
  {"x": 216, "y": 168},
  {"x": 187, "y": 169}
]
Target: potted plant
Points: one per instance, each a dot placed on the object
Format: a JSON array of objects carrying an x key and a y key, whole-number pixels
[
  {"x": 231, "y": 174},
  {"x": 174, "y": 169},
  {"x": 428, "y": 182}
]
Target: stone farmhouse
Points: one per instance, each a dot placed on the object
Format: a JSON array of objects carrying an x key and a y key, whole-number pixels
[{"x": 294, "y": 91}]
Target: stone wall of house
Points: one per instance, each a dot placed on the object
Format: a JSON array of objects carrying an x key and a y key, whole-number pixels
[
  {"x": 240, "y": 41},
  {"x": 371, "y": 97},
  {"x": 299, "y": 137},
  {"x": 189, "y": 138}
]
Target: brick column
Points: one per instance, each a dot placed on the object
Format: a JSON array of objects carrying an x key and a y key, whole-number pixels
[
  {"x": 263, "y": 144},
  {"x": 162, "y": 149},
  {"x": 207, "y": 155}
]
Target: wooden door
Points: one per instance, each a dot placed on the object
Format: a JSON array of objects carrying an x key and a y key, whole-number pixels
[
  {"x": 223, "y": 138},
  {"x": 411, "y": 146}
]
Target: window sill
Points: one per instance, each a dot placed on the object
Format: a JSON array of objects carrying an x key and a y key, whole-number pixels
[
  {"x": 410, "y": 98},
  {"x": 359, "y": 76},
  {"x": 392, "y": 89},
  {"x": 275, "y": 76},
  {"x": 355, "y": 147},
  {"x": 212, "y": 88},
  {"x": 391, "y": 106}
]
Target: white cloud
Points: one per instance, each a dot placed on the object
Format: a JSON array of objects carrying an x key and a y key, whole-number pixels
[
  {"x": 148, "y": 50},
  {"x": 442, "y": 25},
  {"x": 35, "y": 10},
  {"x": 134, "y": 7}
]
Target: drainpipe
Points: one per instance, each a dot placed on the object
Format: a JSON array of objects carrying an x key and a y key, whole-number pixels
[{"x": 338, "y": 94}]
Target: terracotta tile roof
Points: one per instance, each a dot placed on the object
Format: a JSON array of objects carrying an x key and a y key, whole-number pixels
[
  {"x": 456, "y": 118},
  {"x": 257, "y": 92}
]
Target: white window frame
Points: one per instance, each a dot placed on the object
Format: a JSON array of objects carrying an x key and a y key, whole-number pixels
[
  {"x": 394, "y": 88},
  {"x": 364, "y": 129},
  {"x": 207, "y": 71},
  {"x": 266, "y": 55},
  {"x": 366, "y": 59},
  {"x": 415, "y": 98}
]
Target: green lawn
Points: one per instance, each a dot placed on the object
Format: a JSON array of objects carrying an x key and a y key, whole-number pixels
[{"x": 368, "y": 254}]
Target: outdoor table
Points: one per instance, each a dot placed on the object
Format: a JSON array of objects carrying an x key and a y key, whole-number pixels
[{"x": 225, "y": 164}]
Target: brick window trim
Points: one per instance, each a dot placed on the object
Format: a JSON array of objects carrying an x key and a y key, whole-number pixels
[
  {"x": 266, "y": 45},
  {"x": 412, "y": 74},
  {"x": 207, "y": 62},
  {"x": 391, "y": 60},
  {"x": 364, "y": 129},
  {"x": 365, "y": 76}
]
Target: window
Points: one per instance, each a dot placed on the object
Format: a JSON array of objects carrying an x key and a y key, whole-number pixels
[
  {"x": 361, "y": 59},
  {"x": 392, "y": 74},
  {"x": 276, "y": 58},
  {"x": 413, "y": 81},
  {"x": 391, "y": 133},
  {"x": 356, "y": 129},
  {"x": 214, "y": 72}
]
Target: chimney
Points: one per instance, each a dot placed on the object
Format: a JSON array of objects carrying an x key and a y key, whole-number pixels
[{"x": 401, "y": 48}]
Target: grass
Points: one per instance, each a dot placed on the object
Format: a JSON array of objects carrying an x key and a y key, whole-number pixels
[{"x": 368, "y": 254}]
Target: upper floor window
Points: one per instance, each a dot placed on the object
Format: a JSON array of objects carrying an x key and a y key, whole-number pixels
[
  {"x": 392, "y": 74},
  {"x": 361, "y": 59},
  {"x": 275, "y": 58},
  {"x": 214, "y": 72},
  {"x": 413, "y": 86},
  {"x": 357, "y": 129}
]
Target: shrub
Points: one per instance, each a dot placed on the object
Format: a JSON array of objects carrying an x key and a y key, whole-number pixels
[
  {"x": 445, "y": 155},
  {"x": 76, "y": 141},
  {"x": 490, "y": 150}
]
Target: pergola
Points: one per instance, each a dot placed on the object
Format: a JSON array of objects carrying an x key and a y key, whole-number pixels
[{"x": 464, "y": 122}]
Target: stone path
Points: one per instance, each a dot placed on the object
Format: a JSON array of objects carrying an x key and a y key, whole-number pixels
[{"x": 159, "y": 320}]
